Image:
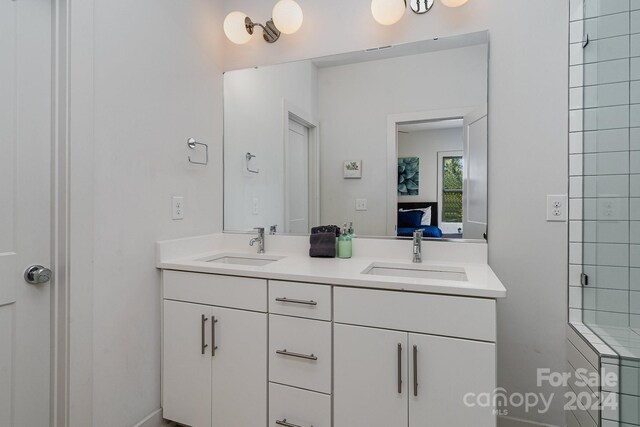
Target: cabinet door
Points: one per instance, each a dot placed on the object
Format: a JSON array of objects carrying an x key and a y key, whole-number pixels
[
  {"x": 370, "y": 387},
  {"x": 448, "y": 369},
  {"x": 186, "y": 371},
  {"x": 239, "y": 368}
]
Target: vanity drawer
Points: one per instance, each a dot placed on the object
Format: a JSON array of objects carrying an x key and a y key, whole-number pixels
[
  {"x": 298, "y": 407},
  {"x": 300, "y": 299},
  {"x": 473, "y": 318},
  {"x": 213, "y": 289},
  {"x": 300, "y": 352}
]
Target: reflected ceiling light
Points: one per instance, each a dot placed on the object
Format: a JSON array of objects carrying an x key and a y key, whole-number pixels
[
  {"x": 287, "y": 16},
  {"x": 287, "y": 19},
  {"x": 388, "y": 12},
  {"x": 453, "y": 3}
]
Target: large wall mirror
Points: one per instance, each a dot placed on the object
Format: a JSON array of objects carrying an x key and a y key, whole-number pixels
[{"x": 392, "y": 139}]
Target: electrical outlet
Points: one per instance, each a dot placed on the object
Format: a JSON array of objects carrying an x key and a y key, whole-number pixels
[
  {"x": 557, "y": 207},
  {"x": 361, "y": 204},
  {"x": 177, "y": 207},
  {"x": 255, "y": 206}
]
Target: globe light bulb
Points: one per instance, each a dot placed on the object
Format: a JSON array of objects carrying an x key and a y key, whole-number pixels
[
  {"x": 453, "y": 3},
  {"x": 287, "y": 16},
  {"x": 235, "y": 29},
  {"x": 387, "y": 12}
]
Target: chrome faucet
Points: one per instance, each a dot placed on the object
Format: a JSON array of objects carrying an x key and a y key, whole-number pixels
[
  {"x": 273, "y": 229},
  {"x": 417, "y": 246},
  {"x": 259, "y": 239}
]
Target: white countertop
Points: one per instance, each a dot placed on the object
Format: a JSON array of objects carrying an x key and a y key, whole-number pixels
[{"x": 296, "y": 265}]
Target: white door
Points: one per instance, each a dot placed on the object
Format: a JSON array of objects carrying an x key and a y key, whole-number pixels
[
  {"x": 186, "y": 363},
  {"x": 446, "y": 370},
  {"x": 297, "y": 179},
  {"x": 475, "y": 173},
  {"x": 370, "y": 377},
  {"x": 25, "y": 197},
  {"x": 239, "y": 391}
]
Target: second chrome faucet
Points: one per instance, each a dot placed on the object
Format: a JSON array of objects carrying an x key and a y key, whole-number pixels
[
  {"x": 417, "y": 246},
  {"x": 259, "y": 240}
]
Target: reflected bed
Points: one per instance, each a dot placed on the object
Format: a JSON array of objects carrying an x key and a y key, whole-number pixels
[{"x": 418, "y": 215}]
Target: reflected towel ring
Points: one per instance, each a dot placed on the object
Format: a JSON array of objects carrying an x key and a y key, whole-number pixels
[
  {"x": 191, "y": 143},
  {"x": 250, "y": 156}
]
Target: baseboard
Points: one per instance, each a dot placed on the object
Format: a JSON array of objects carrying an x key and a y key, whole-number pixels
[
  {"x": 517, "y": 422},
  {"x": 154, "y": 419}
]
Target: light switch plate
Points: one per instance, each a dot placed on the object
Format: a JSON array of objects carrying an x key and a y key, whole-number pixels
[
  {"x": 177, "y": 207},
  {"x": 557, "y": 207},
  {"x": 361, "y": 204}
]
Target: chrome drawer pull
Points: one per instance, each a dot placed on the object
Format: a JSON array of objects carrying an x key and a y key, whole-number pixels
[
  {"x": 298, "y": 355},
  {"x": 415, "y": 370},
  {"x": 214, "y": 347},
  {"x": 203, "y": 345},
  {"x": 286, "y": 424},
  {"x": 399, "y": 368},
  {"x": 296, "y": 301}
]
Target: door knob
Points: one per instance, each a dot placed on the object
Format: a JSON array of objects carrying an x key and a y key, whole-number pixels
[{"x": 37, "y": 274}]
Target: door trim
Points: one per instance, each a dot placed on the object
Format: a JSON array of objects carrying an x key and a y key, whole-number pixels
[
  {"x": 393, "y": 120},
  {"x": 60, "y": 186}
]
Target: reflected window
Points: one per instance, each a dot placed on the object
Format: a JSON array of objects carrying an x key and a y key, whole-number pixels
[{"x": 452, "y": 178}]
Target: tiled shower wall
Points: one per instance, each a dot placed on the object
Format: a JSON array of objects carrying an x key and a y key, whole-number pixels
[{"x": 604, "y": 163}]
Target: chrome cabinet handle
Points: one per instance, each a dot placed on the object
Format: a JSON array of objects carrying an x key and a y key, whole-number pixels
[
  {"x": 214, "y": 347},
  {"x": 296, "y": 301},
  {"x": 415, "y": 370},
  {"x": 284, "y": 423},
  {"x": 202, "y": 343},
  {"x": 399, "y": 368},
  {"x": 298, "y": 355}
]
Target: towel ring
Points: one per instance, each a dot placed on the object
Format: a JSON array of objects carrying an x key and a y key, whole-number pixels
[{"x": 191, "y": 143}]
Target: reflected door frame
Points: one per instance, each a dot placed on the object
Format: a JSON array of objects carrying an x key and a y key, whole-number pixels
[
  {"x": 298, "y": 115},
  {"x": 393, "y": 120}
]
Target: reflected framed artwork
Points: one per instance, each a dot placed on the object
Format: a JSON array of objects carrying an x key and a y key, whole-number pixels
[
  {"x": 352, "y": 169},
  {"x": 408, "y": 176}
]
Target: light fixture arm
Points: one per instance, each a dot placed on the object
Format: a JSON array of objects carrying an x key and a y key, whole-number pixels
[{"x": 269, "y": 31}]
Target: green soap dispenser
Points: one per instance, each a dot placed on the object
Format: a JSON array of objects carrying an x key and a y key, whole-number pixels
[{"x": 345, "y": 247}]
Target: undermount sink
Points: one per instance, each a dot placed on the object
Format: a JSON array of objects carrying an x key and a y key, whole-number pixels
[
  {"x": 243, "y": 259},
  {"x": 417, "y": 271}
]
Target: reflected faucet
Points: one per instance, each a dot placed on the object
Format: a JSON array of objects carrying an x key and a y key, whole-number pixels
[
  {"x": 417, "y": 246},
  {"x": 273, "y": 229},
  {"x": 259, "y": 239}
]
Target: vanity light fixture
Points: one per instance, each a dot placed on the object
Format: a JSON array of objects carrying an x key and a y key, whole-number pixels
[
  {"x": 287, "y": 19},
  {"x": 388, "y": 12},
  {"x": 453, "y": 3}
]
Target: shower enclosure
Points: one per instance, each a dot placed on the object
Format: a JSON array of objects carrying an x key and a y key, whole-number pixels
[{"x": 604, "y": 196}]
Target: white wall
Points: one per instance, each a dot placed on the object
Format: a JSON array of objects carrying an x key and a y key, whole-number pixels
[
  {"x": 355, "y": 101},
  {"x": 254, "y": 122},
  {"x": 426, "y": 145},
  {"x": 145, "y": 76},
  {"x": 527, "y": 151}
]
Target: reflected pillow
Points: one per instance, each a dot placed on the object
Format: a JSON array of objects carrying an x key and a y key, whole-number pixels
[
  {"x": 410, "y": 219},
  {"x": 426, "y": 214}
]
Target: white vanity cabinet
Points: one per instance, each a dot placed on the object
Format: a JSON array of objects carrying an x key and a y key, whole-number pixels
[
  {"x": 241, "y": 351},
  {"x": 214, "y": 358},
  {"x": 384, "y": 365}
]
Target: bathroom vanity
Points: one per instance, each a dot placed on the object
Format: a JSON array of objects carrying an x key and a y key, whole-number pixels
[{"x": 286, "y": 340}]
